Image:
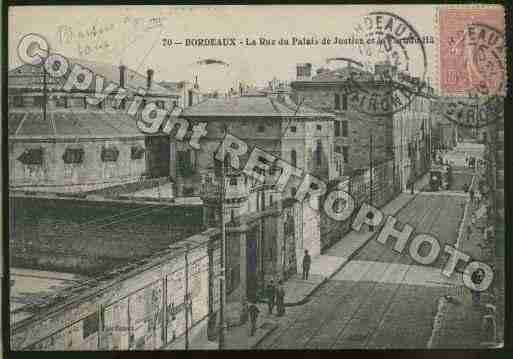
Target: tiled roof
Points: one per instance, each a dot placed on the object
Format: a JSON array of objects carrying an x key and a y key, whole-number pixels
[
  {"x": 251, "y": 106},
  {"x": 67, "y": 124},
  {"x": 133, "y": 79},
  {"x": 343, "y": 74}
]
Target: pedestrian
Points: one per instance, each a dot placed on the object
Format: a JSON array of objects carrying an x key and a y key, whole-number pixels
[
  {"x": 271, "y": 296},
  {"x": 306, "y": 265},
  {"x": 253, "y": 316},
  {"x": 280, "y": 299},
  {"x": 476, "y": 278},
  {"x": 471, "y": 192},
  {"x": 469, "y": 232},
  {"x": 478, "y": 197},
  {"x": 473, "y": 219}
]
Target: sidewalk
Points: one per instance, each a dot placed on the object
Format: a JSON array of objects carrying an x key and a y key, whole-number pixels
[
  {"x": 463, "y": 315},
  {"x": 326, "y": 265}
]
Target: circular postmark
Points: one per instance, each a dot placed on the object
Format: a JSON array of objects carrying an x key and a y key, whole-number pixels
[
  {"x": 394, "y": 65},
  {"x": 483, "y": 51},
  {"x": 484, "y": 57},
  {"x": 473, "y": 111}
]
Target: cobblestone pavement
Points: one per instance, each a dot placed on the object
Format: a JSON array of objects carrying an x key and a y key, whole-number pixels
[{"x": 380, "y": 299}]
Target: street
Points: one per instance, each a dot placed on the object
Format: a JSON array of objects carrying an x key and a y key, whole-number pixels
[{"x": 379, "y": 299}]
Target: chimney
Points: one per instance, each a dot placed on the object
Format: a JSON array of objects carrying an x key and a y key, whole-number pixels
[
  {"x": 149, "y": 78},
  {"x": 122, "y": 71},
  {"x": 304, "y": 71}
]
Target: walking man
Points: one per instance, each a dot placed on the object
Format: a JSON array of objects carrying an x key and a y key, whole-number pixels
[
  {"x": 469, "y": 232},
  {"x": 477, "y": 277},
  {"x": 280, "y": 299},
  {"x": 271, "y": 296},
  {"x": 306, "y": 265},
  {"x": 253, "y": 316}
]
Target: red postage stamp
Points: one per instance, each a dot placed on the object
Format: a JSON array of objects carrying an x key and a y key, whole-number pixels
[{"x": 472, "y": 57}]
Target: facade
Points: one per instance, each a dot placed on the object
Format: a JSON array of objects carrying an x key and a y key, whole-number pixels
[
  {"x": 412, "y": 138},
  {"x": 60, "y": 143},
  {"x": 329, "y": 90},
  {"x": 267, "y": 230}
]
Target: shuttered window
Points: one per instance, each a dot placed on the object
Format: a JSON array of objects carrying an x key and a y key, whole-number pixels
[
  {"x": 110, "y": 154},
  {"x": 32, "y": 156},
  {"x": 137, "y": 152},
  {"x": 73, "y": 155}
]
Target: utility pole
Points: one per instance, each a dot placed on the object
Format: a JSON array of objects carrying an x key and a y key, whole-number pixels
[
  {"x": 370, "y": 169},
  {"x": 222, "y": 278},
  {"x": 186, "y": 296},
  {"x": 371, "y": 228},
  {"x": 44, "y": 94}
]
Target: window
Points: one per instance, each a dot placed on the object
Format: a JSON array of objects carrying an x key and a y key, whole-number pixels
[
  {"x": 318, "y": 153},
  {"x": 61, "y": 102},
  {"x": 344, "y": 102},
  {"x": 344, "y": 128},
  {"x": 233, "y": 181},
  {"x": 337, "y": 149},
  {"x": 90, "y": 325},
  {"x": 293, "y": 191},
  {"x": 73, "y": 155},
  {"x": 293, "y": 129},
  {"x": 17, "y": 101},
  {"x": 159, "y": 104},
  {"x": 137, "y": 152},
  {"x": 345, "y": 153},
  {"x": 38, "y": 100},
  {"x": 175, "y": 103},
  {"x": 337, "y": 101},
  {"x": 293, "y": 158},
  {"x": 319, "y": 127},
  {"x": 32, "y": 156},
  {"x": 337, "y": 129},
  {"x": 109, "y": 154},
  {"x": 185, "y": 166},
  {"x": 261, "y": 128}
]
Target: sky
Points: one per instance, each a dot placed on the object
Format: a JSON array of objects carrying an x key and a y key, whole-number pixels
[{"x": 134, "y": 36}]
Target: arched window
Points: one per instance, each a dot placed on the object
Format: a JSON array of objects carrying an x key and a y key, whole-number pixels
[{"x": 293, "y": 158}]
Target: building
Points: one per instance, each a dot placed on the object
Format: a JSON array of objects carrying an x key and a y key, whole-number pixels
[
  {"x": 267, "y": 230},
  {"x": 184, "y": 93},
  {"x": 412, "y": 137},
  {"x": 58, "y": 142},
  {"x": 330, "y": 91}
]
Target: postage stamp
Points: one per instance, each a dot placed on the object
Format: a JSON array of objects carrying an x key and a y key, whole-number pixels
[{"x": 472, "y": 51}]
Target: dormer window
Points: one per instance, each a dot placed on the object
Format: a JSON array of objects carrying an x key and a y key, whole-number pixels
[
  {"x": 73, "y": 155},
  {"x": 109, "y": 154},
  {"x": 32, "y": 156},
  {"x": 137, "y": 152}
]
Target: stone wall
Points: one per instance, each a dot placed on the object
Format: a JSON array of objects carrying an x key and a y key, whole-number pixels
[
  {"x": 87, "y": 237},
  {"x": 141, "y": 309}
]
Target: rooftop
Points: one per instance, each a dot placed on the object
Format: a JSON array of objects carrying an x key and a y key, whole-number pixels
[
  {"x": 29, "y": 124},
  {"x": 253, "y": 106},
  {"x": 28, "y": 76}
]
